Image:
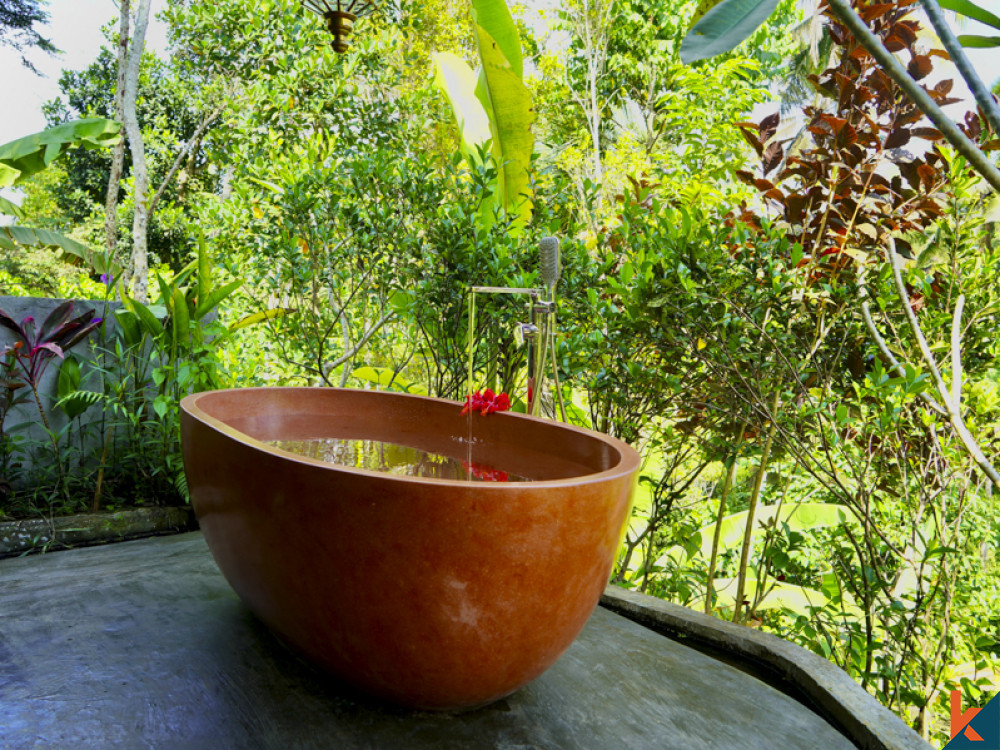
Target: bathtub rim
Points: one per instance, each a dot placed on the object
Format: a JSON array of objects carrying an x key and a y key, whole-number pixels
[{"x": 628, "y": 462}]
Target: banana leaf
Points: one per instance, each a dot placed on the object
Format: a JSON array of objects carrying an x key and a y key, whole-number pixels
[
  {"x": 971, "y": 10},
  {"x": 723, "y": 27},
  {"x": 33, "y": 153},
  {"x": 508, "y": 105},
  {"x": 458, "y": 82}
]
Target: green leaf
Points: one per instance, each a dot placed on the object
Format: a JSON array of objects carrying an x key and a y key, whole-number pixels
[
  {"x": 975, "y": 41},
  {"x": 842, "y": 416},
  {"x": 723, "y": 27},
  {"x": 971, "y": 10},
  {"x": 799, "y": 517},
  {"x": 161, "y": 405},
  {"x": 69, "y": 376},
  {"x": 46, "y": 238},
  {"x": 166, "y": 294},
  {"x": 181, "y": 318},
  {"x": 33, "y": 153},
  {"x": 131, "y": 329},
  {"x": 458, "y": 82},
  {"x": 260, "y": 317},
  {"x": 494, "y": 17},
  {"x": 508, "y": 105},
  {"x": 267, "y": 185},
  {"x": 504, "y": 113},
  {"x": 703, "y": 7},
  {"x": 401, "y": 301},
  {"x": 11, "y": 236},
  {"x": 147, "y": 319},
  {"x": 76, "y": 403},
  {"x": 380, "y": 376},
  {"x": 181, "y": 276},
  {"x": 797, "y": 254},
  {"x": 206, "y": 305},
  {"x": 11, "y": 209}
]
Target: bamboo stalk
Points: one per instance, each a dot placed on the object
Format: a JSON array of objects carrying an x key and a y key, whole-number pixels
[
  {"x": 716, "y": 538},
  {"x": 751, "y": 511}
]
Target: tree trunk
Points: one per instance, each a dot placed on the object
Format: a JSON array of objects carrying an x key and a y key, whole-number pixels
[
  {"x": 139, "y": 264},
  {"x": 595, "y": 38},
  {"x": 118, "y": 157},
  {"x": 590, "y": 20}
]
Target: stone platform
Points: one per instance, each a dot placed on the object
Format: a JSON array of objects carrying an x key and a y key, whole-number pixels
[{"x": 144, "y": 645}]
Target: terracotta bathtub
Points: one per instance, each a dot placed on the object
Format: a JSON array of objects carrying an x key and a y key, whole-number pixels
[{"x": 437, "y": 594}]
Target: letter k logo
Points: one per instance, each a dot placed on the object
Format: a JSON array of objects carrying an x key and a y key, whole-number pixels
[
  {"x": 974, "y": 728},
  {"x": 960, "y": 721}
]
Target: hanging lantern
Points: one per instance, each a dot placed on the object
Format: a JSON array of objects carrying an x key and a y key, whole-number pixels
[{"x": 340, "y": 16}]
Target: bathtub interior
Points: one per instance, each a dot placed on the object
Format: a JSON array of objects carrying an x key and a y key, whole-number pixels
[{"x": 538, "y": 449}]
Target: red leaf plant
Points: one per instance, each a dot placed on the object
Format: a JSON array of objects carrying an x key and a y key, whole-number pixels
[
  {"x": 34, "y": 349},
  {"x": 835, "y": 194}
]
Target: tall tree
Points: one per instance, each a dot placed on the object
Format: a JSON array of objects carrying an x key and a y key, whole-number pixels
[
  {"x": 172, "y": 112},
  {"x": 18, "y": 19},
  {"x": 590, "y": 23},
  {"x": 138, "y": 266},
  {"x": 118, "y": 158}
]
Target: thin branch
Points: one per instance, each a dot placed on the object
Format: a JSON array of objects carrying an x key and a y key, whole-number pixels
[
  {"x": 118, "y": 156},
  {"x": 182, "y": 154},
  {"x": 345, "y": 329},
  {"x": 953, "y": 407},
  {"x": 911, "y": 318},
  {"x": 361, "y": 342},
  {"x": 956, "y": 352},
  {"x": 758, "y": 483},
  {"x": 977, "y": 160},
  {"x": 138, "y": 269},
  {"x": 896, "y": 366},
  {"x": 713, "y": 559}
]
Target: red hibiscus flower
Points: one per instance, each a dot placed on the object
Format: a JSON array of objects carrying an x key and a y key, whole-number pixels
[
  {"x": 486, "y": 402},
  {"x": 485, "y": 473}
]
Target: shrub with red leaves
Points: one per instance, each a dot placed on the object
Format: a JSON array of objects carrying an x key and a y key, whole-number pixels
[{"x": 837, "y": 198}]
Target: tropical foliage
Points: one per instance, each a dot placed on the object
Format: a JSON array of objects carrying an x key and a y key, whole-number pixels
[{"x": 788, "y": 310}]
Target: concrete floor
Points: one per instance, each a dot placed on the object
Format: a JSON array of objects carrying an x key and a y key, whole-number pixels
[{"x": 144, "y": 645}]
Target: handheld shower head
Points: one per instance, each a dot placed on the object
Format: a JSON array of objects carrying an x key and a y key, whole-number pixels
[{"x": 548, "y": 260}]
